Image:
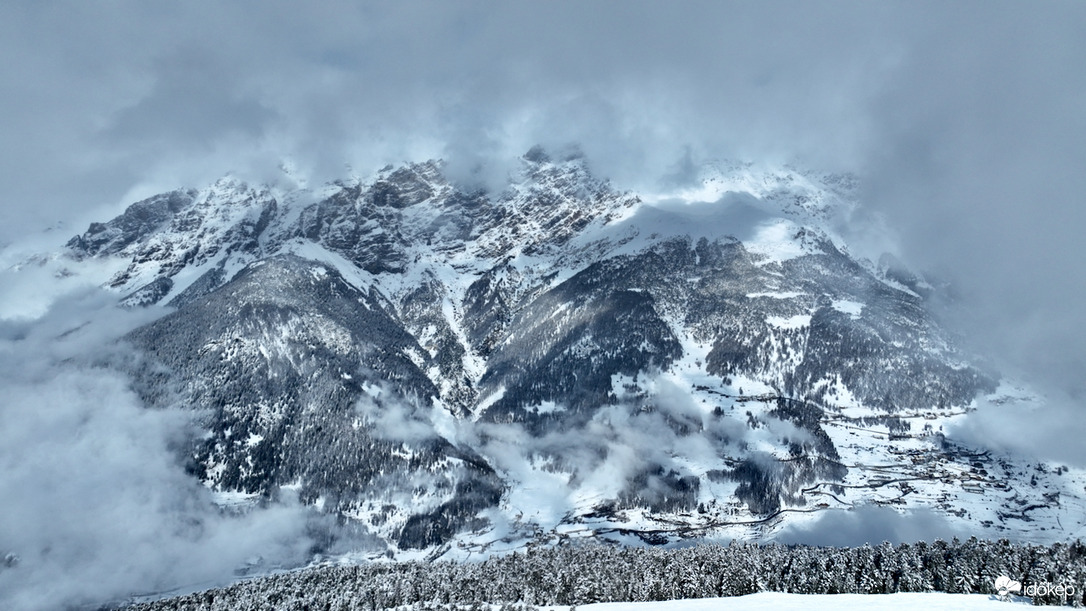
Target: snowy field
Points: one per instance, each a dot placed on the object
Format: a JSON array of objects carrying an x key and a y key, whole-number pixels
[{"x": 777, "y": 601}]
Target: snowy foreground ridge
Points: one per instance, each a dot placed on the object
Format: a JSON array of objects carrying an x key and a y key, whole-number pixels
[
  {"x": 776, "y": 601},
  {"x": 576, "y": 575},
  {"x": 770, "y": 601}
]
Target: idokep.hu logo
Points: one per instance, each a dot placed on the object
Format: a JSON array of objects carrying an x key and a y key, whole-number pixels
[{"x": 1005, "y": 586}]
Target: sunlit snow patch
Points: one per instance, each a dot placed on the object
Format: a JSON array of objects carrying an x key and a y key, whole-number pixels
[
  {"x": 793, "y": 322},
  {"x": 852, "y": 308},
  {"x": 777, "y": 295},
  {"x": 777, "y": 241}
]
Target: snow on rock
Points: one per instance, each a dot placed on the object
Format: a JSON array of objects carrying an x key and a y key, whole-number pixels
[
  {"x": 778, "y": 601},
  {"x": 852, "y": 308},
  {"x": 792, "y": 322}
]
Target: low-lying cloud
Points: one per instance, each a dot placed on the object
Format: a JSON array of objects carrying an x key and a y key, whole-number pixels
[
  {"x": 97, "y": 505},
  {"x": 1046, "y": 428},
  {"x": 871, "y": 525}
]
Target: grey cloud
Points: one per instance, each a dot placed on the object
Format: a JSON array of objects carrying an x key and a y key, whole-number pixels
[
  {"x": 137, "y": 89},
  {"x": 978, "y": 168},
  {"x": 96, "y": 503},
  {"x": 871, "y": 525},
  {"x": 190, "y": 104},
  {"x": 1047, "y": 430}
]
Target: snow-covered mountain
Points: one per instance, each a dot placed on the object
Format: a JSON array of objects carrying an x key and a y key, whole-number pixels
[{"x": 460, "y": 370}]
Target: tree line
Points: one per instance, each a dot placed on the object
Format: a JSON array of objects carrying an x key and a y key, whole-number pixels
[{"x": 577, "y": 574}]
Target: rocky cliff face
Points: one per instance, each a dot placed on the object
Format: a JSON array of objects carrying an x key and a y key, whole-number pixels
[{"x": 443, "y": 364}]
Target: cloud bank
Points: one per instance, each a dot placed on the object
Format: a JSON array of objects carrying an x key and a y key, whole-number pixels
[
  {"x": 96, "y": 503},
  {"x": 107, "y": 97},
  {"x": 963, "y": 120},
  {"x": 871, "y": 525}
]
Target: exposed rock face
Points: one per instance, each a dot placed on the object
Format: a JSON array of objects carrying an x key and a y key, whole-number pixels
[{"x": 139, "y": 221}]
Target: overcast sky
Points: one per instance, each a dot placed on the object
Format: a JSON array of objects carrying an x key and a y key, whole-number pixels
[{"x": 964, "y": 120}]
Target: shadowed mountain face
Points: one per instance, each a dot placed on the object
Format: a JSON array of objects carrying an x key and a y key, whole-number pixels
[
  {"x": 301, "y": 374},
  {"x": 439, "y": 364}
]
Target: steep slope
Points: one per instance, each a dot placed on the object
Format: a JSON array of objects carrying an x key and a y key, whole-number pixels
[{"x": 311, "y": 383}]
